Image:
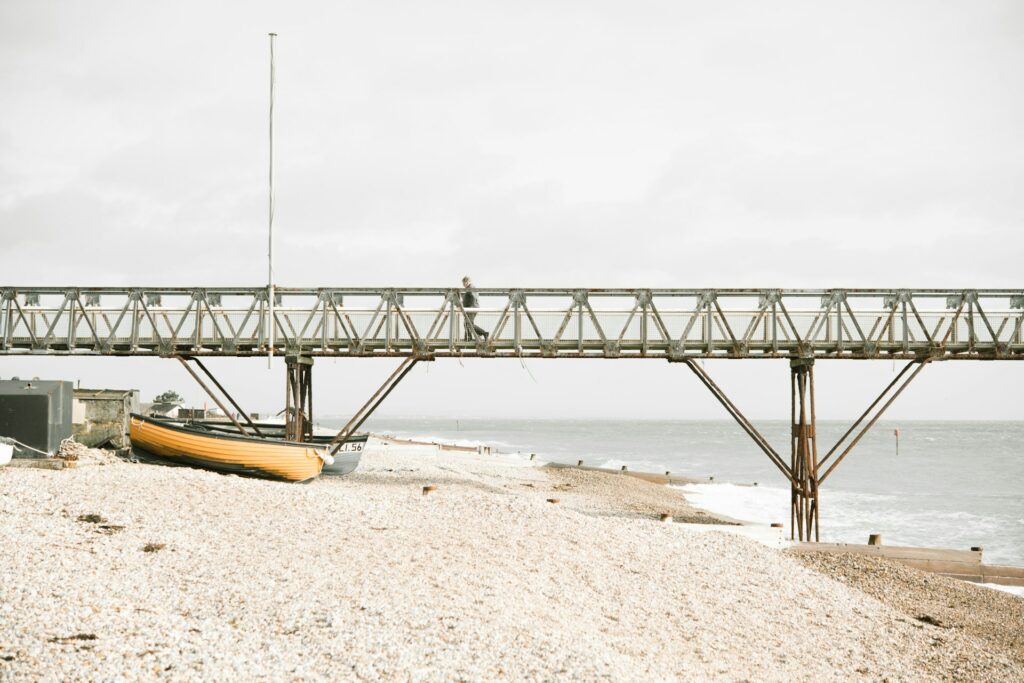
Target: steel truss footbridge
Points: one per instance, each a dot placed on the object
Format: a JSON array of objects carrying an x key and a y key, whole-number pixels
[
  {"x": 604, "y": 323},
  {"x": 681, "y": 326}
]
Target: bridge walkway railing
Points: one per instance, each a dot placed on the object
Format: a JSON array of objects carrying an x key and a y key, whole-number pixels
[{"x": 604, "y": 323}]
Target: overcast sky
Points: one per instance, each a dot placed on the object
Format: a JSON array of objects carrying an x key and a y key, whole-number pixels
[{"x": 640, "y": 144}]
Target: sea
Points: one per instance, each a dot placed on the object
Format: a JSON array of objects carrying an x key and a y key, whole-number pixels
[{"x": 944, "y": 484}]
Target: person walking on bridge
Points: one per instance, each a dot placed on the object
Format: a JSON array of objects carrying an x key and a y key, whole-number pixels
[{"x": 470, "y": 301}]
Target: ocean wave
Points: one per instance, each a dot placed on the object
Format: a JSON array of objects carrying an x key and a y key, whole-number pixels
[
  {"x": 758, "y": 504},
  {"x": 467, "y": 443},
  {"x": 849, "y": 517}
]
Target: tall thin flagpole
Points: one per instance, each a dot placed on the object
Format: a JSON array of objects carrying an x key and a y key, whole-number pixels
[{"x": 270, "y": 218}]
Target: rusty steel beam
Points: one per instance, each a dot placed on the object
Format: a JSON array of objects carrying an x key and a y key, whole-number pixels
[
  {"x": 741, "y": 419},
  {"x": 228, "y": 396},
  {"x": 298, "y": 412},
  {"x": 871, "y": 407},
  {"x": 211, "y": 395},
  {"x": 804, "y": 489},
  {"x": 372, "y": 404},
  {"x": 871, "y": 423}
]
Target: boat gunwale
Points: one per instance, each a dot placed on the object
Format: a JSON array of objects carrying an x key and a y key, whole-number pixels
[
  {"x": 193, "y": 431},
  {"x": 228, "y": 429}
]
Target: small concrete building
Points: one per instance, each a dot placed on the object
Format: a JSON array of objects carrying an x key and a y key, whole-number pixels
[
  {"x": 100, "y": 417},
  {"x": 35, "y": 413}
]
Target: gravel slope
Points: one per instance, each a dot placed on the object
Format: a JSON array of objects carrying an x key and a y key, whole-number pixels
[
  {"x": 601, "y": 493},
  {"x": 995, "y": 618},
  {"x": 364, "y": 578}
]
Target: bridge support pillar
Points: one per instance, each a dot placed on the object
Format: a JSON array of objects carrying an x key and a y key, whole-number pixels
[
  {"x": 804, "y": 497},
  {"x": 802, "y": 471},
  {"x": 298, "y": 411}
]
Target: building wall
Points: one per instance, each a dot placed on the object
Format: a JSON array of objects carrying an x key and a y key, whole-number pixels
[{"x": 101, "y": 417}]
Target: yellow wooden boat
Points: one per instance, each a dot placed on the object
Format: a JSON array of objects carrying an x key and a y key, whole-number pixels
[{"x": 234, "y": 453}]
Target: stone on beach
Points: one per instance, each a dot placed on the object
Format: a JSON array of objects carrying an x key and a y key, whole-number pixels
[{"x": 361, "y": 578}]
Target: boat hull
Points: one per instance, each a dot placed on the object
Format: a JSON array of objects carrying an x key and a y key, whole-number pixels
[
  {"x": 284, "y": 460},
  {"x": 344, "y": 463}
]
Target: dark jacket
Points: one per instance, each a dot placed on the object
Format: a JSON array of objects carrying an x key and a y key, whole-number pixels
[{"x": 470, "y": 299}]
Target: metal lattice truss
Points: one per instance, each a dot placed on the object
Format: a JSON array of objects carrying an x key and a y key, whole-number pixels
[{"x": 594, "y": 323}]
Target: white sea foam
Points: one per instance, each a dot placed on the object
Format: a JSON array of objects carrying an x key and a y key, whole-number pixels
[
  {"x": 758, "y": 504},
  {"x": 449, "y": 440},
  {"x": 1015, "y": 590},
  {"x": 852, "y": 516}
]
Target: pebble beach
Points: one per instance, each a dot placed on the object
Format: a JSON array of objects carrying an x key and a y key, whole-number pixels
[{"x": 116, "y": 570}]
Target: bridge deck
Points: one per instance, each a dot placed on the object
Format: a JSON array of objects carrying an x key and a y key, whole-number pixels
[{"x": 560, "y": 323}]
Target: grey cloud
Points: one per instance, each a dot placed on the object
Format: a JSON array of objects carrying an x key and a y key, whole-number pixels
[{"x": 531, "y": 144}]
